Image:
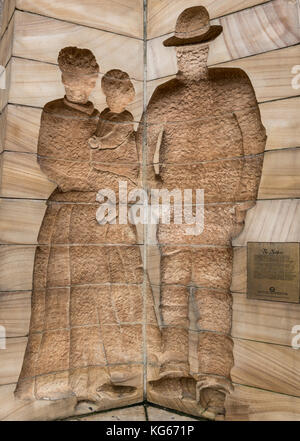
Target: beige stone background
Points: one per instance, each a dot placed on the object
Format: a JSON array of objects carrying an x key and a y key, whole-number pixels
[{"x": 261, "y": 37}]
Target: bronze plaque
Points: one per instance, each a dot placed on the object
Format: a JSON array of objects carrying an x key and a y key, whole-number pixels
[{"x": 273, "y": 271}]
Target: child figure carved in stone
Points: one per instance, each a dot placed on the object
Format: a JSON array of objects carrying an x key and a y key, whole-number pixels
[{"x": 115, "y": 140}]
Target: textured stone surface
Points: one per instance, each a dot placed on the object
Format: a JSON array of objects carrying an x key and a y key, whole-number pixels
[
  {"x": 222, "y": 181},
  {"x": 119, "y": 17},
  {"x": 20, "y": 220},
  {"x": 24, "y": 74},
  {"x": 222, "y": 222},
  {"x": 155, "y": 414},
  {"x": 263, "y": 321},
  {"x": 93, "y": 315},
  {"x": 86, "y": 334},
  {"x": 204, "y": 132},
  {"x": 1, "y": 14},
  {"x": 136, "y": 413},
  {"x": 15, "y": 312},
  {"x": 265, "y": 28},
  {"x": 7, "y": 8},
  {"x": 32, "y": 41}
]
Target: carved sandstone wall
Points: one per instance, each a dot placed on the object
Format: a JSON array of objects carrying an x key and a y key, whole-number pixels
[{"x": 35, "y": 80}]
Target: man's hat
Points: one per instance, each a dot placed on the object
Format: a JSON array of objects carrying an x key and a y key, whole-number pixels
[{"x": 193, "y": 27}]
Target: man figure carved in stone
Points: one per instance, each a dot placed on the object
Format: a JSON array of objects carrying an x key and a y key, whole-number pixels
[
  {"x": 204, "y": 131},
  {"x": 85, "y": 338}
]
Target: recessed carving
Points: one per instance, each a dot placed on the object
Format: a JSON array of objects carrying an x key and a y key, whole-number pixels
[
  {"x": 99, "y": 320},
  {"x": 203, "y": 132},
  {"x": 86, "y": 331}
]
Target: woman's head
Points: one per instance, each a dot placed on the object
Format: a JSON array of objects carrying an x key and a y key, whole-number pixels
[
  {"x": 80, "y": 71},
  {"x": 118, "y": 89}
]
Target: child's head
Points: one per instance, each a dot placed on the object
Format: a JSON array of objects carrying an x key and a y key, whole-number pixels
[{"x": 118, "y": 89}]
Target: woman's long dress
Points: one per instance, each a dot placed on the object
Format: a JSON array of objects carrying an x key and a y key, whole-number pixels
[{"x": 86, "y": 328}]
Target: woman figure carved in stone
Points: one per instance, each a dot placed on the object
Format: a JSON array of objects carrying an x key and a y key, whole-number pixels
[{"x": 85, "y": 338}]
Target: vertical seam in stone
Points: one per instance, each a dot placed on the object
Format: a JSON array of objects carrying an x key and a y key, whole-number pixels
[
  {"x": 144, "y": 180},
  {"x": 70, "y": 289},
  {"x": 146, "y": 412}
]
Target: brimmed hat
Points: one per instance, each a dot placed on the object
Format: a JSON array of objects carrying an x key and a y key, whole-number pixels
[{"x": 193, "y": 26}]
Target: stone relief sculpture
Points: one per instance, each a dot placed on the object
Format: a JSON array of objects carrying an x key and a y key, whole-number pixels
[
  {"x": 85, "y": 336},
  {"x": 96, "y": 333},
  {"x": 204, "y": 131}
]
